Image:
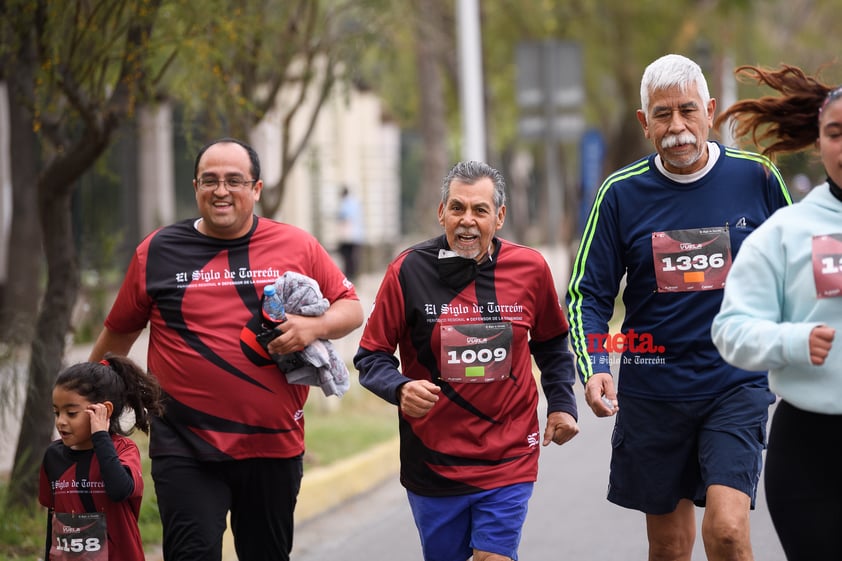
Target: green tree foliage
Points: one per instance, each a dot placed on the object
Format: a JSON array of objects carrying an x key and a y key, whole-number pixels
[
  {"x": 248, "y": 59},
  {"x": 618, "y": 38},
  {"x": 412, "y": 65}
]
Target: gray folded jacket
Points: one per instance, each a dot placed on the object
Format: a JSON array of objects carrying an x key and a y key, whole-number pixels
[{"x": 318, "y": 364}]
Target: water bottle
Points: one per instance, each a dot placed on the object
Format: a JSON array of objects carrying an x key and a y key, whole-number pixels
[{"x": 273, "y": 307}]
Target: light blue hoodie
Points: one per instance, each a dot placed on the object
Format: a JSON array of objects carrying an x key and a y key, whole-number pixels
[{"x": 770, "y": 305}]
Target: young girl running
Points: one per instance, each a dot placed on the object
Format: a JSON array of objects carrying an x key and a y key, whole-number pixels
[{"x": 91, "y": 477}]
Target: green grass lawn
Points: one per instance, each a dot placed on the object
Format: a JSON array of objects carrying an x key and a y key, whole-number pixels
[
  {"x": 334, "y": 429},
  {"x": 338, "y": 428},
  {"x": 22, "y": 534}
]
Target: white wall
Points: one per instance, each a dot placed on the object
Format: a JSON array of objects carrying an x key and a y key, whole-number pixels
[
  {"x": 156, "y": 174},
  {"x": 5, "y": 182},
  {"x": 352, "y": 144}
]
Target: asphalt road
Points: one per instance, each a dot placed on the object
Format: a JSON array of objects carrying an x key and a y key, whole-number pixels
[{"x": 569, "y": 517}]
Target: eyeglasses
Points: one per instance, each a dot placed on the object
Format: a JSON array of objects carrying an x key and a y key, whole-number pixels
[{"x": 232, "y": 184}]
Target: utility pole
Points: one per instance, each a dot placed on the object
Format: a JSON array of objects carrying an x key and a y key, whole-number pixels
[{"x": 471, "y": 80}]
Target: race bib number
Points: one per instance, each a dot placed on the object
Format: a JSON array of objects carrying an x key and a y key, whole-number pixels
[
  {"x": 827, "y": 265},
  {"x": 79, "y": 537},
  {"x": 691, "y": 260},
  {"x": 476, "y": 352}
]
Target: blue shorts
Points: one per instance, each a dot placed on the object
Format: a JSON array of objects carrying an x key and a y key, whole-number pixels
[
  {"x": 452, "y": 527},
  {"x": 665, "y": 451}
]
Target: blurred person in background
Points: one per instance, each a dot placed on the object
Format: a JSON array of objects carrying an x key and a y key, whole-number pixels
[
  {"x": 783, "y": 308},
  {"x": 689, "y": 428},
  {"x": 350, "y": 223}
]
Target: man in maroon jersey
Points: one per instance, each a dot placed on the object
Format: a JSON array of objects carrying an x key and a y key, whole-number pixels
[
  {"x": 232, "y": 437},
  {"x": 468, "y": 312}
]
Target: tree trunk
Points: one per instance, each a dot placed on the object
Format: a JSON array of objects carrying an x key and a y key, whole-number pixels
[
  {"x": 55, "y": 188},
  {"x": 628, "y": 142},
  {"x": 432, "y": 117},
  {"x": 52, "y": 326},
  {"x": 21, "y": 292},
  {"x": 76, "y": 149}
]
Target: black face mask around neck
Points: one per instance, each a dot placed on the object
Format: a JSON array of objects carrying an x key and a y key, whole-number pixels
[{"x": 456, "y": 271}]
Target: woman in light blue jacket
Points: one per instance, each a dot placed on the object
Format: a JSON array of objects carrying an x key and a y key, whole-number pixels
[{"x": 783, "y": 306}]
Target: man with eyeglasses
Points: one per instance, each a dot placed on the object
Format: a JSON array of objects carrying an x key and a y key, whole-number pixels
[{"x": 232, "y": 435}]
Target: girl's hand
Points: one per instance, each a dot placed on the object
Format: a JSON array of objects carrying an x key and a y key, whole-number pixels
[
  {"x": 821, "y": 340},
  {"x": 98, "y": 414}
]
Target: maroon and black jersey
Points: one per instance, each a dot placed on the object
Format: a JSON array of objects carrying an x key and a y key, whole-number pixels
[
  {"x": 484, "y": 432},
  {"x": 226, "y": 398},
  {"x": 106, "y": 479}
]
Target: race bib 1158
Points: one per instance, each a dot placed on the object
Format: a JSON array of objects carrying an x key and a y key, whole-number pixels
[{"x": 79, "y": 537}]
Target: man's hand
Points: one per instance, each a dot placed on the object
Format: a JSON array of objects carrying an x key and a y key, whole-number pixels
[
  {"x": 418, "y": 397},
  {"x": 600, "y": 394},
  {"x": 296, "y": 333},
  {"x": 561, "y": 427},
  {"x": 821, "y": 340}
]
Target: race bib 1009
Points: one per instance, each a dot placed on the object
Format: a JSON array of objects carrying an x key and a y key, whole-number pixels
[{"x": 476, "y": 352}]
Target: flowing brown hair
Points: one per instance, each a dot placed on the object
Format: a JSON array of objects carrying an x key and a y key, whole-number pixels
[{"x": 782, "y": 123}]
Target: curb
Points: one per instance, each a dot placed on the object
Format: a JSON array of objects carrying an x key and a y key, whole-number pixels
[{"x": 326, "y": 487}]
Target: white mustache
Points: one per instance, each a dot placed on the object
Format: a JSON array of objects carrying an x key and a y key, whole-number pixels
[
  {"x": 466, "y": 232},
  {"x": 675, "y": 140}
]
